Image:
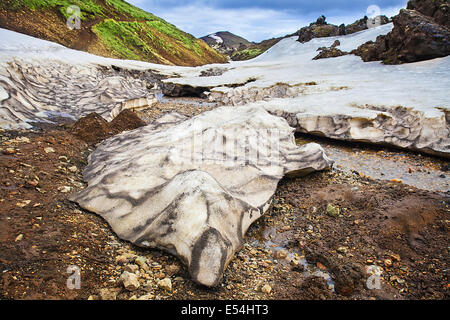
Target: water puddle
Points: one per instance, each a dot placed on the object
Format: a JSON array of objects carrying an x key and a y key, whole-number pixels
[
  {"x": 275, "y": 241},
  {"x": 191, "y": 101},
  {"x": 420, "y": 171}
]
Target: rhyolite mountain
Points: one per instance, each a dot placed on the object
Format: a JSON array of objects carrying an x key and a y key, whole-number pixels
[
  {"x": 226, "y": 42},
  {"x": 109, "y": 28}
]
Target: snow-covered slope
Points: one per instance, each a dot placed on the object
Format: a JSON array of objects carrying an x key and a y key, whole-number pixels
[
  {"x": 404, "y": 105},
  {"x": 343, "y": 98}
]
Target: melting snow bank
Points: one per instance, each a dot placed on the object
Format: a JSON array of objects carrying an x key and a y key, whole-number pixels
[
  {"x": 343, "y": 98},
  {"x": 40, "y": 80},
  {"x": 402, "y": 127},
  {"x": 194, "y": 187}
]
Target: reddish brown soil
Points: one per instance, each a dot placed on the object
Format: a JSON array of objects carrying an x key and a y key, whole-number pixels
[
  {"x": 42, "y": 234},
  {"x": 380, "y": 221},
  {"x": 94, "y": 129}
]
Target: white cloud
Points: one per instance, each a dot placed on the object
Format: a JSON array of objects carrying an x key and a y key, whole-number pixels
[{"x": 252, "y": 24}]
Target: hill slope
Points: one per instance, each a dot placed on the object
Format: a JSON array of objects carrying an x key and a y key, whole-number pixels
[
  {"x": 110, "y": 28},
  {"x": 226, "y": 42}
]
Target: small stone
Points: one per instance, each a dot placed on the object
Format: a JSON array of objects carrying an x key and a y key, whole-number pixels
[
  {"x": 19, "y": 237},
  {"x": 397, "y": 180},
  {"x": 23, "y": 139},
  {"x": 172, "y": 269},
  {"x": 266, "y": 289},
  {"x": 73, "y": 169},
  {"x": 165, "y": 284},
  {"x": 33, "y": 183},
  {"x": 294, "y": 262},
  {"x": 282, "y": 254},
  {"x": 9, "y": 151},
  {"x": 129, "y": 280},
  {"x": 396, "y": 257},
  {"x": 321, "y": 266},
  {"x": 64, "y": 189},
  {"x": 93, "y": 297},
  {"x": 147, "y": 297},
  {"x": 49, "y": 150},
  {"x": 108, "y": 294},
  {"x": 333, "y": 211},
  {"x": 131, "y": 268},
  {"x": 342, "y": 249},
  {"x": 142, "y": 262},
  {"x": 122, "y": 259},
  {"x": 23, "y": 203}
]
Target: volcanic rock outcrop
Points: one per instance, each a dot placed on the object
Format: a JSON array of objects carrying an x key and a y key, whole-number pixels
[
  {"x": 439, "y": 10},
  {"x": 420, "y": 32},
  {"x": 194, "y": 187},
  {"x": 321, "y": 29}
]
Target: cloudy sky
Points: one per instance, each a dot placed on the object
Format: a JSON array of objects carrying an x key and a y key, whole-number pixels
[{"x": 258, "y": 20}]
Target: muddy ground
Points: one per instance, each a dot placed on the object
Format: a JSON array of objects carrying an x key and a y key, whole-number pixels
[{"x": 331, "y": 235}]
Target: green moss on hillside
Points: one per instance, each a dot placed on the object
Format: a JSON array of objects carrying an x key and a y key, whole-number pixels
[
  {"x": 89, "y": 8},
  {"x": 246, "y": 54},
  {"x": 118, "y": 30}
]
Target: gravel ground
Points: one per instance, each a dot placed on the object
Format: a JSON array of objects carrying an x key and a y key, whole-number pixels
[{"x": 337, "y": 234}]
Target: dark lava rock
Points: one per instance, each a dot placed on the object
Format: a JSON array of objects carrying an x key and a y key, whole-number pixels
[
  {"x": 321, "y": 20},
  {"x": 415, "y": 37},
  {"x": 330, "y": 53},
  {"x": 319, "y": 29},
  {"x": 365, "y": 23},
  {"x": 439, "y": 10},
  {"x": 372, "y": 51}
]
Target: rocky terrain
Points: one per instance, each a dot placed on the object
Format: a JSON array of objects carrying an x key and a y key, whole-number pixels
[
  {"x": 324, "y": 244},
  {"x": 225, "y": 42},
  {"x": 239, "y": 49},
  {"x": 421, "y": 32},
  {"x": 321, "y": 29},
  {"x": 296, "y": 175},
  {"x": 109, "y": 28}
]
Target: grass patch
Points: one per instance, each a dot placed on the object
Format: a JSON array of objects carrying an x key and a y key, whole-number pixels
[
  {"x": 89, "y": 8},
  {"x": 247, "y": 54},
  {"x": 126, "y": 8}
]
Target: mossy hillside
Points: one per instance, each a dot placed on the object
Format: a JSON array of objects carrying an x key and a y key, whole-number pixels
[
  {"x": 246, "y": 54},
  {"x": 88, "y": 8},
  {"x": 150, "y": 41},
  {"x": 125, "y": 31}
]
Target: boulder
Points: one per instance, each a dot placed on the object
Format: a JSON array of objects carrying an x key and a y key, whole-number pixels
[
  {"x": 317, "y": 31},
  {"x": 194, "y": 187},
  {"x": 330, "y": 53},
  {"x": 130, "y": 281},
  {"x": 439, "y": 10},
  {"x": 366, "y": 23},
  {"x": 417, "y": 36},
  {"x": 321, "y": 29}
]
